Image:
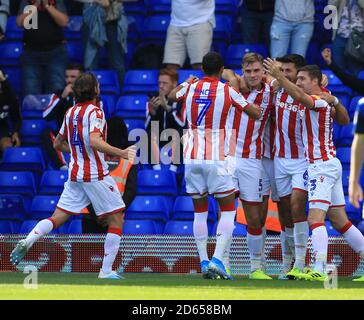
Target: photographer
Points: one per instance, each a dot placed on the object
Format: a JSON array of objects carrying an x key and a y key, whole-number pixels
[
  {"x": 44, "y": 58},
  {"x": 162, "y": 115},
  {"x": 10, "y": 117}
]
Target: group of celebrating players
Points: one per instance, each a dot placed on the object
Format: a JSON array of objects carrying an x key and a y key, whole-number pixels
[{"x": 265, "y": 133}]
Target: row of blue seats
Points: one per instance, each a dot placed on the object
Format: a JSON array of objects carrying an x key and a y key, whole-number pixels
[{"x": 139, "y": 227}]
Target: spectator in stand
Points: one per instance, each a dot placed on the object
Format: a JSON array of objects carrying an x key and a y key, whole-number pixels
[
  {"x": 347, "y": 79},
  {"x": 163, "y": 114},
  {"x": 4, "y": 13},
  {"x": 105, "y": 23},
  {"x": 44, "y": 58},
  {"x": 60, "y": 102},
  {"x": 189, "y": 33},
  {"x": 256, "y": 21},
  {"x": 350, "y": 16},
  {"x": 10, "y": 117},
  {"x": 292, "y": 27}
]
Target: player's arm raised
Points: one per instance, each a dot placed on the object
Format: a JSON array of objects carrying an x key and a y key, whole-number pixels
[
  {"x": 179, "y": 92},
  {"x": 339, "y": 112},
  {"x": 231, "y": 77},
  {"x": 295, "y": 92}
]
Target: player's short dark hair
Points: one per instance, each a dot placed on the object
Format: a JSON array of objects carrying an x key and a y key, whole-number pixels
[
  {"x": 75, "y": 66},
  {"x": 294, "y": 58},
  {"x": 85, "y": 87},
  {"x": 212, "y": 63},
  {"x": 172, "y": 73},
  {"x": 314, "y": 72}
]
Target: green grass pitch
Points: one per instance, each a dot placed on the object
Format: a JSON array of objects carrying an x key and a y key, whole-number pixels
[{"x": 152, "y": 286}]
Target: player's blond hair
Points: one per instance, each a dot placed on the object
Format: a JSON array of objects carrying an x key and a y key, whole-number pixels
[{"x": 252, "y": 57}]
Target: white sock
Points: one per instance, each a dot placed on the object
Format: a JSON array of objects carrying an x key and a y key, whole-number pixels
[
  {"x": 301, "y": 231},
  {"x": 264, "y": 236},
  {"x": 200, "y": 233},
  {"x": 254, "y": 242},
  {"x": 111, "y": 248},
  {"x": 320, "y": 242},
  {"x": 224, "y": 232},
  {"x": 286, "y": 253},
  {"x": 355, "y": 239},
  {"x": 226, "y": 256},
  {"x": 290, "y": 239},
  {"x": 42, "y": 228}
]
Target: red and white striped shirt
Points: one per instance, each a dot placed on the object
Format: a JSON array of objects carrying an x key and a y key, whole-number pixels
[
  {"x": 317, "y": 131},
  {"x": 269, "y": 136},
  {"x": 86, "y": 164},
  {"x": 288, "y": 139},
  {"x": 207, "y": 104},
  {"x": 247, "y": 133}
]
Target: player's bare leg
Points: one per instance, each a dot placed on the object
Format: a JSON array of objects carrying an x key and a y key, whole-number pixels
[
  {"x": 111, "y": 247},
  {"x": 200, "y": 231},
  {"x": 352, "y": 235},
  {"x": 42, "y": 228},
  {"x": 301, "y": 229},
  {"x": 255, "y": 239},
  {"x": 224, "y": 233}
]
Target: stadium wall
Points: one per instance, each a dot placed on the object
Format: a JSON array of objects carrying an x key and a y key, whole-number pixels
[{"x": 157, "y": 253}]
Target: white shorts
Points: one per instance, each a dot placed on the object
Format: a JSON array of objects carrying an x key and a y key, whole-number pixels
[
  {"x": 213, "y": 178},
  {"x": 268, "y": 180},
  {"x": 290, "y": 174},
  {"x": 194, "y": 41},
  {"x": 325, "y": 185},
  {"x": 104, "y": 196},
  {"x": 247, "y": 177}
]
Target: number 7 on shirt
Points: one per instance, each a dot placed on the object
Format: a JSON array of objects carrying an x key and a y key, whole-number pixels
[{"x": 206, "y": 105}]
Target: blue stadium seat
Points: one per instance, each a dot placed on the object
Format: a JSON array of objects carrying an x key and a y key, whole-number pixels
[
  {"x": 75, "y": 226},
  {"x": 33, "y": 105},
  {"x": 183, "y": 209},
  {"x": 132, "y": 124},
  {"x": 223, "y": 28},
  {"x": 226, "y": 6},
  {"x": 354, "y": 214},
  {"x": 108, "y": 80},
  {"x": 345, "y": 180},
  {"x": 63, "y": 229},
  {"x": 10, "y": 53},
  {"x": 12, "y": 207},
  {"x": 22, "y": 159},
  {"x": 73, "y": 29},
  {"x": 155, "y": 28},
  {"x": 157, "y": 182},
  {"x": 75, "y": 51},
  {"x": 346, "y": 135},
  {"x": 140, "y": 81},
  {"x": 335, "y": 84},
  {"x": 185, "y": 74},
  {"x": 52, "y": 181},
  {"x": 361, "y": 226},
  {"x": 235, "y": 53},
  {"x": 354, "y": 103},
  {"x": 17, "y": 183},
  {"x": 132, "y": 106},
  {"x": 108, "y": 104},
  {"x": 159, "y": 6},
  {"x": 43, "y": 207},
  {"x": 179, "y": 227},
  {"x": 344, "y": 99},
  {"x": 13, "y": 32},
  {"x": 135, "y": 26},
  {"x": 31, "y": 130},
  {"x": 343, "y": 154},
  {"x": 148, "y": 207},
  {"x": 134, "y": 7},
  {"x": 331, "y": 231},
  {"x": 361, "y": 74},
  {"x": 6, "y": 227},
  {"x": 14, "y": 76},
  {"x": 336, "y": 129},
  {"x": 139, "y": 227},
  {"x": 239, "y": 230}
]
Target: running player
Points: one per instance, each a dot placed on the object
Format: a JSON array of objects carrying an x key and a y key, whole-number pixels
[
  {"x": 245, "y": 156},
  {"x": 83, "y": 134},
  {"x": 207, "y": 103},
  {"x": 326, "y": 195}
]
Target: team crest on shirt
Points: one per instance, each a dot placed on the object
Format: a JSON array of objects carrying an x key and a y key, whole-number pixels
[
  {"x": 111, "y": 188},
  {"x": 322, "y": 178},
  {"x": 266, "y": 97}
]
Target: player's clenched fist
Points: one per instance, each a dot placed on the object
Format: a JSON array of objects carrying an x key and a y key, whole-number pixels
[{"x": 130, "y": 153}]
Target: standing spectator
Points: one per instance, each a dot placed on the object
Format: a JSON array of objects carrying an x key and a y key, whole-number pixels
[
  {"x": 257, "y": 20},
  {"x": 4, "y": 13},
  {"x": 190, "y": 32},
  {"x": 350, "y": 16},
  {"x": 60, "y": 102},
  {"x": 105, "y": 23},
  {"x": 163, "y": 114},
  {"x": 292, "y": 27},
  {"x": 10, "y": 117},
  {"x": 44, "y": 57}
]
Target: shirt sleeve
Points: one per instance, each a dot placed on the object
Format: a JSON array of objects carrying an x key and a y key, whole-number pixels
[
  {"x": 180, "y": 94},
  {"x": 359, "y": 120},
  {"x": 63, "y": 131},
  {"x": 97, "y": 121},
  {"x": 318, "y": 103},
  {"x": 237, "y": 100}
]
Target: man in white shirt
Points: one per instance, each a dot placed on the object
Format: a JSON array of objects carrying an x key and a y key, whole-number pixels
[{"x": 189, "y": 33}]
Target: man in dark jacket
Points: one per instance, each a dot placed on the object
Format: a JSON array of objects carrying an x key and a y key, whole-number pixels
[{"x": 10, "y": 117}]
